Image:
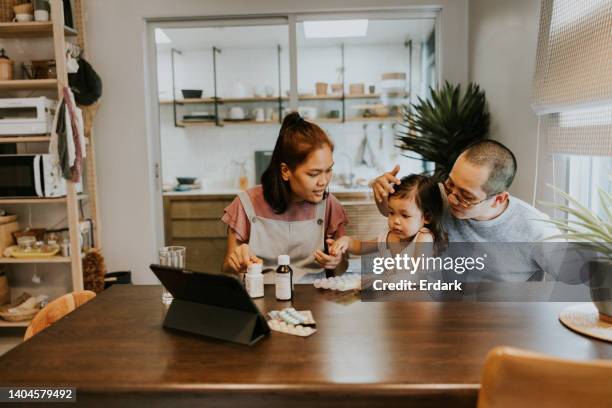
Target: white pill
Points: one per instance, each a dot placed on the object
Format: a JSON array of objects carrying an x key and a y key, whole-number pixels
[
  {"x": 341, "y": 286},
  {"x": 325, "y": 284},
  {"x": 317, "y": 283}
]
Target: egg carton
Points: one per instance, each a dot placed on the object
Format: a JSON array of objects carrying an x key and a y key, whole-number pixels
[{"x": 339, "y": 283}]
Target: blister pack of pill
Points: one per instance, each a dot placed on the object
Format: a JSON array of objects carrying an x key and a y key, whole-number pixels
[
  {"x": 339, "y": 283},
  {"x": 296, "y": 330},
  {"x": 291, "y": 321}
]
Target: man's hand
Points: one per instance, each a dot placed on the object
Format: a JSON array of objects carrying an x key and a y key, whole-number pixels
[
  {"x": 328, "y": 261},
  {"x": 383, "y": 185}
]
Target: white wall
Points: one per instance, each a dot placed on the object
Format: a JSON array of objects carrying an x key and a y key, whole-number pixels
[
  {"x": 503, "y": 37},
  {"x": 210, "y": 153},
  {"x": 115, "y": 31}
]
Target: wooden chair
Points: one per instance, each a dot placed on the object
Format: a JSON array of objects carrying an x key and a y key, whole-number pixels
[
  {"x": 517, "y": 378},
  {"x": 57, "y": 309}
]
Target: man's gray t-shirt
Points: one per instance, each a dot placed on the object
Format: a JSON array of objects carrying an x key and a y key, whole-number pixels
[{"x": 516, "y": 230}]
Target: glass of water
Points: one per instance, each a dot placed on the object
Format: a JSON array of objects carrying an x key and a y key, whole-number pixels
[{"x": 171, "y": 256}]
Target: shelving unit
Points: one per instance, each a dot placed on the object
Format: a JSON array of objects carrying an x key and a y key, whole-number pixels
[
  {"x": 217, "y": 101},
  {"x": 57, "y": 32},
  {"x": 4, "y": 323},
  {"x": 41, "y": 200},
  {"x": 31, "y": 29},
  {"x": 28, "y": 84}
]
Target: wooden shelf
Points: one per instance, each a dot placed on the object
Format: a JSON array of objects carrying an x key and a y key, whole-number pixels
[
  {"x": 28, "y": 84},
  {"x": 320, "y": 98},
  {"x": 24, "y": 139},
  {"x": 221, "y": 100},
  {"x": 53, "y": 259},
  {"x": 31, "y": 29},
  {"x": 224, "y": 123},
  {"x": 4, "y": 323},
  {"x": 373, "y": 119},
  {"x": 37, "y": 200}
]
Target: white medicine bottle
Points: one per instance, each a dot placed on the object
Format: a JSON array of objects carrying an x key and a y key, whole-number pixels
[{"x": 254, "y": 280}]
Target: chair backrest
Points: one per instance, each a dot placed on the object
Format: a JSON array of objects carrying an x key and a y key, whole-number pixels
[
  {"x": 57, "y": 309},
  {"x": 517, "y": 378}
]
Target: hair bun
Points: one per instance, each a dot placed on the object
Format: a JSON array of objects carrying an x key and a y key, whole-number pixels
[{"x": 292, "y": 119}]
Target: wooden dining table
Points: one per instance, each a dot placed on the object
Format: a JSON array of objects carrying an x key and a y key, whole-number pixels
[{"x": 115, "y": 352}]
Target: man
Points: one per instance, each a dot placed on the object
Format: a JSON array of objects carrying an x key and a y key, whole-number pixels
[{"x": 480, "y": 209}]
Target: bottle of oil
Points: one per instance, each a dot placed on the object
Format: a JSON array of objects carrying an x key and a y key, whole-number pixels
[{"x": 284, "y": 279}]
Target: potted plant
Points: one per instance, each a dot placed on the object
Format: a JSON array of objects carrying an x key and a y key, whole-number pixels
[
  {"x": 583, "y": 226},
  {"x": 440, "y": 128}
]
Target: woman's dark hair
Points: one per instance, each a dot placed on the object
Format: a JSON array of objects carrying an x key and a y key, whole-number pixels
[
  {"x": 429, "y": 200},
  {"x": 296, "y": 140}
]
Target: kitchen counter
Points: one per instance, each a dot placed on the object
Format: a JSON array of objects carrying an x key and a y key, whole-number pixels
[
  {"x": 114, "y": 351},
  {"x": 337, "y": 191}
]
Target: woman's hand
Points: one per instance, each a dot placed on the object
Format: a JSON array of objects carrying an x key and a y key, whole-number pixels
[
  {"x": 328, "y": 261},
  {"x": 240, "y": 259},
  {"x": 339, "y": 246},
  {"x": 382, "y": 186}
]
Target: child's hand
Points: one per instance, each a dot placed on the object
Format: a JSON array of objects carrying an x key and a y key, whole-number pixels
[{"x": 338, "y": 246}]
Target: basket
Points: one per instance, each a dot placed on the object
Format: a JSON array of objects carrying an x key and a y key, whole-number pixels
[
  {"x": 18, "y": 317},
  {"x": 6, "y": 9},
  {"x": 356, "y": 89},
  {"x": 321, "y": 88},
  {"x": 25, "y": 8}
]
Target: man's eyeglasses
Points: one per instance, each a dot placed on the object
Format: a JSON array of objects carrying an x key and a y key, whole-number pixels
[{"x": 449, "y": 188}]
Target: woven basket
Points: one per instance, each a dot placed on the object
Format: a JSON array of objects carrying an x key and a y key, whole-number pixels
[{"x": 6, "y": 9}]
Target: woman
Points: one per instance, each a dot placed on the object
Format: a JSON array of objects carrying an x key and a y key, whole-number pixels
[{"x": 291, "y": 212}]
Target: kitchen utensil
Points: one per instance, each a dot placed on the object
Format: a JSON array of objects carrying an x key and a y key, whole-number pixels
[
  {"x": 366, "y": 154},
  {"x": 42, "y": 251},
  {"x": 43, "y": 69},
  {"x": 23, "y": 18},
  {"x": 41, "y": 15},
  {"x": 186, "y": 180},
  {"x": 356, "y": 89},
  {"x": 38, "y": 233},
  {"x": 258, "y": 91},
  {"x": 236, "y": 113},
  {"x": 259, "y": 114},
  {"x": 171, "y": 256},
  {"x": 269, "y": 114},
  {"x": 381, "y": 136},
  {"x": 336, "y": 88},
  {"x": 333, "y": 114},
  {"x": 6, "y": 233},
  {"x": 321, "y": 88},
  {"x": 308, "y": 112},
  {"x": 191, "y": 93},
  {"x": 238, "y": 89},
  {"x": 6, "y": 66}
]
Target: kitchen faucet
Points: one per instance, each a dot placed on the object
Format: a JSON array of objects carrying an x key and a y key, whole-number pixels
[{"x": 348, "y": 177}]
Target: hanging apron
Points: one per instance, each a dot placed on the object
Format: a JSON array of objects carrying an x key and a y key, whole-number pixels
[{"x": 298, "y": 239}]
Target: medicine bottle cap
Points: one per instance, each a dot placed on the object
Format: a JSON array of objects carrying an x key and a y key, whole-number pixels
[
  {"x": 283, "y": 260},
  {"x": 254, "y": 268}
]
